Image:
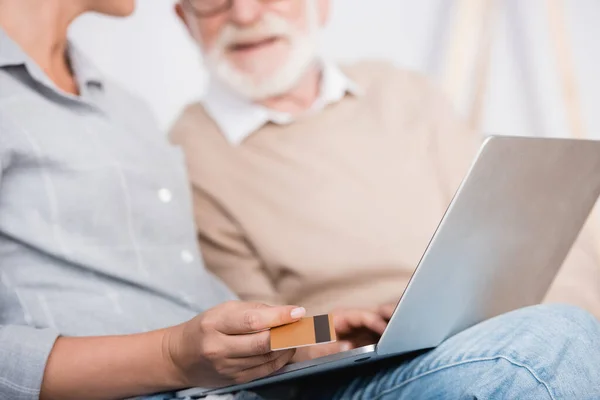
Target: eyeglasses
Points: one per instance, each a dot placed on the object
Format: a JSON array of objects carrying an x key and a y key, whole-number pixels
[{"x": 209, "y": 8}]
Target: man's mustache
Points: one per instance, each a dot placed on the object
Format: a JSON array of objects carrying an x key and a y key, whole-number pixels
[{"x": 267, "y": 28}]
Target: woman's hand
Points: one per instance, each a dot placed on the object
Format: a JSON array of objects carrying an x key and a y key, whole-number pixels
[{"x": 229, "y": 344}]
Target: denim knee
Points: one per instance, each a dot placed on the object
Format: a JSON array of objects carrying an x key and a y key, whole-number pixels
[
  {"x": 562, "y": 344},
  {"x": 565, "y": 311},
  {"x": 573, "y": 321}
]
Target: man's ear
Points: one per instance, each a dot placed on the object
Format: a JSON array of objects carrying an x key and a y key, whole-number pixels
[{"x": 181, "y": 15}]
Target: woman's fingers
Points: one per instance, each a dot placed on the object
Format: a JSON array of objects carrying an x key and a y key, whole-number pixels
[
  {"x": 245, "y": 346},
  {"x": 263, "y": 365}
]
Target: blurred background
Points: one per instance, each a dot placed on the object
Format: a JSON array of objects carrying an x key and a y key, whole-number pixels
[{"x": 518, "y": 67}]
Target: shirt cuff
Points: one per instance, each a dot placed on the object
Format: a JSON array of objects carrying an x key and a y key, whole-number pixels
[{"x": 24, "y": 352}]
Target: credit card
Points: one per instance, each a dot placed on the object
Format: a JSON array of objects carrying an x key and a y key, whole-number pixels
[{"x": 308, "y": 331}]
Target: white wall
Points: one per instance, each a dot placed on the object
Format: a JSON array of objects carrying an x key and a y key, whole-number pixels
[
  {"x": 525, "y": 95},
  {"x": 152, "y": 55}
]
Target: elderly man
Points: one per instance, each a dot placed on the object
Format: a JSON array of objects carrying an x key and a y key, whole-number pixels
[{"x": 319, "y": 184}]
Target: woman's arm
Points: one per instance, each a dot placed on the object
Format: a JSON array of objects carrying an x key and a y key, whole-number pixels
[
  {"x": 109, "y": 367},
  {"x": 225, "y": 345}
]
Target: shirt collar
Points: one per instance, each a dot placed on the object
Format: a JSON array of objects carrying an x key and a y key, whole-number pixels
[
  {"x": 86, "y": 72},
  {"x": 238, "y": 118},
  {"x": 11, "y": 54}
]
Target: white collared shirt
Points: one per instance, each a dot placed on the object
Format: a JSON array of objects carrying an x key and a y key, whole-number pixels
[{"x": 238, "y": 118}]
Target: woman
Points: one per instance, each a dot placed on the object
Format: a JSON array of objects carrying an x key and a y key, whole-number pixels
[{"x": 95, "y": 231}]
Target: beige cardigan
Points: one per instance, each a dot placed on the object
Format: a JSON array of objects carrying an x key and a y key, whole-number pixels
[{"x": 336, "y": 209}]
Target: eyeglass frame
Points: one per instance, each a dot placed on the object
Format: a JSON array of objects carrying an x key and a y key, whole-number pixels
[{"x": 227, "y": 4}]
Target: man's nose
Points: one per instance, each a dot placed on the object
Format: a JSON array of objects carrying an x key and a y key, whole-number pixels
[{"x": 246, "y": 12}]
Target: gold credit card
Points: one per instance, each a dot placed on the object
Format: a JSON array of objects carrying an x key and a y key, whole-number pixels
[{"x": 306, "y": 332}]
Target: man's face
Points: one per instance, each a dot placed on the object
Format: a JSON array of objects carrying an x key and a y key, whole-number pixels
[
  {"x": 117, "y": 8},
  {"x": 261, "y": 48}
]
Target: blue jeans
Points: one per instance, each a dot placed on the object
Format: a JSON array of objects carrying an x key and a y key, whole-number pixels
[{"x": 541, "y": 352}]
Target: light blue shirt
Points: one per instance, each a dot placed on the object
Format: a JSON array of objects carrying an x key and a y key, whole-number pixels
[{"x": 96, "y": 226}]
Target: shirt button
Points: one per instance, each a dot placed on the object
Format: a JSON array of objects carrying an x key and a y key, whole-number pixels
[
  {"x": 187, "y": 257},
  {"x": 165, "y": 195}
]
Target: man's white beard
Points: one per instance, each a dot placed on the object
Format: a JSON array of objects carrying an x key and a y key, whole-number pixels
[{"x": 303, "y": 52}]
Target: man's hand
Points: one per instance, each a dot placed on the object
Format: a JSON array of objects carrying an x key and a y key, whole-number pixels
[
  {"x": 354, "y": 328},
  {"x": 386, "y": 311},
  {"x": 229, "y": 344}
]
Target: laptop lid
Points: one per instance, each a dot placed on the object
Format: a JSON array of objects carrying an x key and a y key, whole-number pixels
[{"x": 502, "y": 240}]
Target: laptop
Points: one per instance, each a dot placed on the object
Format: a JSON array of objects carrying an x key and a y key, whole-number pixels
[{"x": 498, "y": 248}]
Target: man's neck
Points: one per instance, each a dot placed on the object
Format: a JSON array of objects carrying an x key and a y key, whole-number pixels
[
  {"x": 40, "y": 29},
  {"x": 301, "y": 97}
]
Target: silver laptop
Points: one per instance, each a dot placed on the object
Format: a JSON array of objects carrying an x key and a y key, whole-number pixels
[{"x": 498, "y": 248}]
